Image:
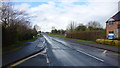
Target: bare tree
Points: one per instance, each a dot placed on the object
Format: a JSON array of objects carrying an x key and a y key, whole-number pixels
[
  {"x": 16, "y": 24},
  {"x": 94, "y": 24},
  {"x": 10, "y": 16},
  {"x": 71, "y": 27}
]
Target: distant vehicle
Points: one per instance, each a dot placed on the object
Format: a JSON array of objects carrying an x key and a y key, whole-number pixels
[{"x": 111, "y": 36}]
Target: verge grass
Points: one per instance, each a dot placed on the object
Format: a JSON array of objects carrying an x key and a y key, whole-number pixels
[{"x": 61, "y": 36}]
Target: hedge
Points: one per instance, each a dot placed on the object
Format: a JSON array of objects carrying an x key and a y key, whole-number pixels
[
  {"x": 108, "y": 42},
  {"x": 85, "y": 35}
]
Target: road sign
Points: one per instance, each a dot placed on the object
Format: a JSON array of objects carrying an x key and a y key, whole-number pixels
[{"x": 110, "y": 36}]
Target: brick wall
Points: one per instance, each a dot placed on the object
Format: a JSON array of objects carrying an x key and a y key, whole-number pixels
[{"x": 112, "y": 27}]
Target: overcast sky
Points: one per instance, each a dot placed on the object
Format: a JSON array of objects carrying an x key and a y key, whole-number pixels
[{"x": 59, "y": 13}]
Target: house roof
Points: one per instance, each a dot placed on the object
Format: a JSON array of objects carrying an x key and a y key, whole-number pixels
[{"x": 116, "y": 17}]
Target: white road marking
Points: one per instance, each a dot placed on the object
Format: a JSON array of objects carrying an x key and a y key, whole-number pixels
[
  {"x": 91, "y": 56},
  {"x": 104, "y": 51},
  {"x": 86, "y": 54},
  {"x": 47, "y": 59},
  {"x": 44, "y": 51},
  {"x": 19, "y": 62}
]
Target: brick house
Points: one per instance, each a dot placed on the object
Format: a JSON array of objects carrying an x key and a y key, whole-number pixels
[{"x": 113, "y": 25}]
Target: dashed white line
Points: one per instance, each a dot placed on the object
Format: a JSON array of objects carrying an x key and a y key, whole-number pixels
[
  {"x": 47, "y": 59},
  {"x": 91, "y": 56},
  {"x": 104, "y": 51}
]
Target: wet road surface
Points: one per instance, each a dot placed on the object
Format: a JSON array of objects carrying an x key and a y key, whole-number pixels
[
  {"x": 24, "y": 51},
  {"x": 63, "y": 53}
]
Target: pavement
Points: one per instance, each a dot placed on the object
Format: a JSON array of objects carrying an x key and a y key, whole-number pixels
[
  {"x": 25, "y": 51},
  {"x": 62, "y": 52}
]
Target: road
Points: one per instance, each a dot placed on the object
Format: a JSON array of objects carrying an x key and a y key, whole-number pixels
[{"x": 59, "y": 52}]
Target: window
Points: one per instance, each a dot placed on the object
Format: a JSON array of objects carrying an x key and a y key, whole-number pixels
[
  {"x": 111, "y": 23},
  {"x": 111, "y": 31},
  {"x": 118, "y": 26}
]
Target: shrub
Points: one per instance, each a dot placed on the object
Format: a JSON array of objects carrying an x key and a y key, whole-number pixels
[
  {"x": 108, "y": 42},
  {"x": 98, "y": 40},
  {"x": 117, "y": 43},
  {"x": 102, "y": 41}
]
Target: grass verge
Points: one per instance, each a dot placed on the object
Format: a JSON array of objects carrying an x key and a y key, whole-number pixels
[
  {"x": 61, "y": 36},
  {"x": 86, "y": 41},
  {"x": 31, "y": 40}
]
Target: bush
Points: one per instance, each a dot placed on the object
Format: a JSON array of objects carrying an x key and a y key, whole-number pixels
[
  {"x": 117, "y": 43},
  {"x": 102, "y": 41},
  {"x": 108, "y": 42},
  {"x": 98, "y": 40}
]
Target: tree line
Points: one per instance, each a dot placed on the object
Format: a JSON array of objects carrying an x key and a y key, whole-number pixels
[
  {"x": 90, "y": 26},
  {"x": 73, "y": 27},
  {"x": 16, "y": 25},
  {"x": 91, "y": 31},
  {"x": 55, "y": 31}
]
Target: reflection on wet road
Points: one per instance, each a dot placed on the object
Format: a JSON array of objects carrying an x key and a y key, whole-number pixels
[{"x": 58, "y": 53}]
